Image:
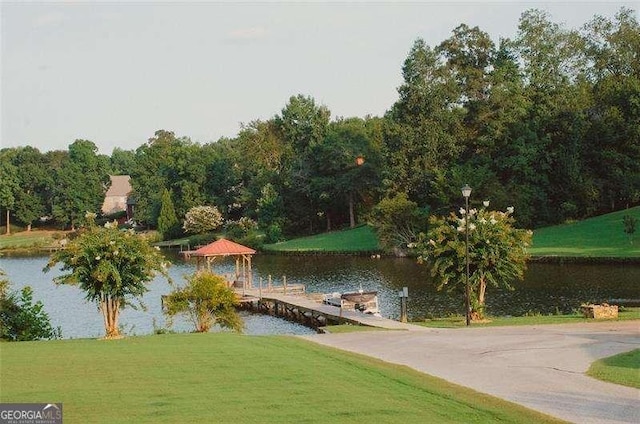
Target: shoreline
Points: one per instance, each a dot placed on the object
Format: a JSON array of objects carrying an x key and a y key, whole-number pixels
[{"x": 557, "y": 259}]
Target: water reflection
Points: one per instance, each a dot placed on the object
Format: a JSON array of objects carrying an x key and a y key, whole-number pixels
[{"x": 547, "y": 288}]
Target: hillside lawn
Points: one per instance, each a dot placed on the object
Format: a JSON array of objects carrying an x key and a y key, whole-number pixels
[
  {"x": 623, "y": 368},
  {"x": 361, "y": 239},
  {"x": 600, "y": 236},
  {"x": 234, "y": 378}
]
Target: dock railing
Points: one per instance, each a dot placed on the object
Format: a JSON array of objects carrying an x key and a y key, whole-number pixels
[{"x": 284, "y": 288}]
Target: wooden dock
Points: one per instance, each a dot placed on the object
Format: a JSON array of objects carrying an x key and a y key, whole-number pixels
[{"x": 302, "y": 308}]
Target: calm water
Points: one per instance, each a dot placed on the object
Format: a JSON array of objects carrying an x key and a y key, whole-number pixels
[{"x": 546, "y": 288}]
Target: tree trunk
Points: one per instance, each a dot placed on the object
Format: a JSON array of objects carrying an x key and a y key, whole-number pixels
[
  {"x": 352, "y": 217},
  {"x": 28, "y": 227},
  {"x": 477, "y": 312},
  {"x": 8, "y": 223},
  {"x": 110, "y": 310}
]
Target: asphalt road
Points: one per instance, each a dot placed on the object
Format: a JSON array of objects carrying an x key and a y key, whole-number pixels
[{"x": 540, "y": 367}]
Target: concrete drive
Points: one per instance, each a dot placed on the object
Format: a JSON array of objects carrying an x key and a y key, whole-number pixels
[{"x": 540, "y": 367}]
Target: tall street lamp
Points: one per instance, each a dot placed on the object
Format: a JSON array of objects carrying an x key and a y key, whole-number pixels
[{"x": 466, "y": 192}]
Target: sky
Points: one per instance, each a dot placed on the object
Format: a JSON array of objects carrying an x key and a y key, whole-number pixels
[{"x": 115, "y": 72}]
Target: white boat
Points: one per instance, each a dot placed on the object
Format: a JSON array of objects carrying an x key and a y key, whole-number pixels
[{"x": 361, "y": 301}]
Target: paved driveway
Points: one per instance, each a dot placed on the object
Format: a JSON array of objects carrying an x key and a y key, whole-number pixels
[{"x": 541, "y": 367}]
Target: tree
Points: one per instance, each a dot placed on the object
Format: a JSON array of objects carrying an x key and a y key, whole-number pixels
[
  {"x": 343, "y": 168},
  {"x": 424, "y": 127},
  {"x": 35, "y": 177},
  {"x": 206, "y": 301},
  {"x": 497, "y": 252},
  {"x": 111, "y": 266},
  {"x": 201, "y": 219},
  {"x": 629, "y": 222},
  {"x": 80, "y": 183},
  {"x": 9, "y": 187},
  {"x": 175, "y": 164},
  {"x": 122, "y": 162},
  {"x": 303, "y": 125},
  {"x": 167, "y": 220},
  {"x": 21, "y": 319},
  {"x": 398, "y": 222}
]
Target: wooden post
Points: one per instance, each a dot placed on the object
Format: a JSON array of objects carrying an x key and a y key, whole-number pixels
[
  {"x": 284, "y": 281},
  {"x": 404, "y": 296},
  {"x": 269, "y": 279},
  {"x": 260, "y": 289}
]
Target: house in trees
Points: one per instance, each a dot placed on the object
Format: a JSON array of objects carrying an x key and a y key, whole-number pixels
[{"x": 117, "y": 197}]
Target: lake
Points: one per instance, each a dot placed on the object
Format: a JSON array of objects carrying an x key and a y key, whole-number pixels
[{"x": 547, "y": 288}]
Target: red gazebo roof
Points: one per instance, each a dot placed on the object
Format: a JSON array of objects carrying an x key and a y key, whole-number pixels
[{"x": 223, "y": 247}]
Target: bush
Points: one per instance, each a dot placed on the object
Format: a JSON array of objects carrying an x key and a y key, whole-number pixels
[
  {"x": 206, "y": 301},
  {"x": 273, "y": 234},
  {"x": 201, "y": 219},
  {"x": 21, "y": 319}
]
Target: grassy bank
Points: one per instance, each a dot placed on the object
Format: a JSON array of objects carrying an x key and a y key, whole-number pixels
[
  {"x": 30, "y": 240},
  {"x": 598, "y": 237},
  {"x": 620, "y": 369},
  {"x": 459, "y": 321},
  {"x": 601, "y": 236},
  {"x": 234, "y": 378},
  {"x": 361, "y": 239}
]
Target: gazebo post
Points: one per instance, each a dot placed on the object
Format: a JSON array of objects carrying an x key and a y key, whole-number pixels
[{"x": 225, "y": 248}]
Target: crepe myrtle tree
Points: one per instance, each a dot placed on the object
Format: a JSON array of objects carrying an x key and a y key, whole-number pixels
[
  {"x": 497, "y": 252},
  {"x": 205, "y": 300},
  {"x": 201, "y": 219},
  {"x": 112, "y": 267}
]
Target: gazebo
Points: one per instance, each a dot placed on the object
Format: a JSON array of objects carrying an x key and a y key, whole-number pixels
[{"x": 223, "y": 247}]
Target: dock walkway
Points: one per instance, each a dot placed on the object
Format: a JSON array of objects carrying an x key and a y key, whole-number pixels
[{"x": 307, "y": 311}]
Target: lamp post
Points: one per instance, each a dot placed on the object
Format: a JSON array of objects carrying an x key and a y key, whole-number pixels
[{"x": 466, "y": 192}]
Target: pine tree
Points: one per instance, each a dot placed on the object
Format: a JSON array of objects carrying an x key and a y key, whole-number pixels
[{"x": 168, "y": 224}]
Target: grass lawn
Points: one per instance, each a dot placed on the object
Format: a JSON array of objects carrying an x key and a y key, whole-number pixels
[
  {"x": 347, "y": 328},
  {"x": 623, "y": 368},
  {"x": 29, "y": 239},
  {"x": 459, "y": 321},
  {"x": 359, "y": 239},
  {"x": 233, "y": 378},
  {"x": 601, "y": 236}
]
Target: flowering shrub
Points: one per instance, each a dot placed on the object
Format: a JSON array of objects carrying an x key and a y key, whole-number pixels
[
  {"x": 110, "y": 266},
  {"x": 201, "y": 219},
  {"x": 497, "y": 252}
]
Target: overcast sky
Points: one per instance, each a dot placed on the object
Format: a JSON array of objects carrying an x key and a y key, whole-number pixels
[{"x": 114, "y": 73}]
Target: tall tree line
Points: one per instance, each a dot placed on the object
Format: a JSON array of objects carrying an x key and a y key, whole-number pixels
[{"x": 548, "y": 122}]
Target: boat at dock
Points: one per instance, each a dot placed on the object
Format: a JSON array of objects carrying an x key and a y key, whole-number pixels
[{"x": 362, "y": 301}]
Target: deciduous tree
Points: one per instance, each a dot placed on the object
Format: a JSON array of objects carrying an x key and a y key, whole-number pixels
[
  {"x": 201, "y": 219},
  {"x": 111, "y": 267},
  {"x": 497, "y": 252}
]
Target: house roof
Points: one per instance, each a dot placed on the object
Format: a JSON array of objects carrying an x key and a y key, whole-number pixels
[
  {"x": 223, "y": 247},
  {"x": 120, "y": 185}
]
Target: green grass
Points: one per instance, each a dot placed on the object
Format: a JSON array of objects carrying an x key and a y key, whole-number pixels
[
  {"x": 29, "y": 239},
  {"x": 601, "y": 236},
  {"x": 359, "y": 239},
  {"x": 233, "y": 378},
  {"x": 598, "y": 237},
  {"x": 620, "y": 369},
  {"x": 347, "y": 328},
  {"x": 458, "y": 321}
]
